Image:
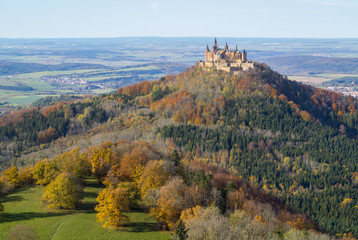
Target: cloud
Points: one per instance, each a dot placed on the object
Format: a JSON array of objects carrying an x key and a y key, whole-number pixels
[{"x": 155, "y": 5}]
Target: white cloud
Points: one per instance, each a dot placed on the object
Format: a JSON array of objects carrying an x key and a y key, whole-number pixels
[{"x": 155, "y": 5}]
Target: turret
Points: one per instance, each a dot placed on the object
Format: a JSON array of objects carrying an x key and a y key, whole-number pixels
[
  {"x": 215, "y": 43},
  {"x": 244, "y": 56},
  {"x": 226, "y": 46},
  {"x": 207, "y": 48}
]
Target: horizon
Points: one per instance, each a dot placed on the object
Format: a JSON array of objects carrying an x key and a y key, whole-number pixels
[{"x": 223, "y": 37}]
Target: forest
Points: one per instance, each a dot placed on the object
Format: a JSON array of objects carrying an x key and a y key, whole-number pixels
[{"x": 254, "y": 154}]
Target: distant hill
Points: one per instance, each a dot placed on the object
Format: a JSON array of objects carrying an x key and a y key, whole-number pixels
[
  {"x": 12, "y": 68},
  {"x": 303, "y": 65},
  {"x": 269, "y": 140}
]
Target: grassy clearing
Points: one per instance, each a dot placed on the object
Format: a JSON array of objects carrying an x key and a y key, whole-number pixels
[
  {"x": 24, "y": 207},
  {"x": 308, "y": 79},
  {"x": 334, "y": 76}
]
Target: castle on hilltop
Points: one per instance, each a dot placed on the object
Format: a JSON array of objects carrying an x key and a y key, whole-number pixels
[{"x": 225, "y": 59}]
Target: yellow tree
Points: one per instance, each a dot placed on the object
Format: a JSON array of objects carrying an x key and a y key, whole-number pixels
[
  {"x": 11, "y": 175},
  {"x": 112, "y": 203},
  {"x": 45, "y": 171},
  {"x": 154, "y": 176},
  {"x": 26, "y": 176},
  {"x": 101, "y": 159},
  {"x": 75, "y": 162},
  {"x": 65, "y": 192}
]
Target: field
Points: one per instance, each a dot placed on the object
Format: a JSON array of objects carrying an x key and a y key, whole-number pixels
[
  {"x": 24, "y": 207},
  {"x": 33, "y": 68},
  {"x": 97, "y": 81}
]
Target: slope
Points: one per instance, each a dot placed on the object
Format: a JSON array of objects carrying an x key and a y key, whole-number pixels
[{"x": 295, "y": 142}]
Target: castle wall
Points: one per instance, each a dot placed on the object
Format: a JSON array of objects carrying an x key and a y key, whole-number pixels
[{"x": 226, "y": 60}]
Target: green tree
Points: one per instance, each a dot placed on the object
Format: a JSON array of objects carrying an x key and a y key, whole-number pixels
[{"x": 181, "y": 231}]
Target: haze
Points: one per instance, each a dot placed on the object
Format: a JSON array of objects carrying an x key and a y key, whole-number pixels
[{"x": 235, "y": 18}]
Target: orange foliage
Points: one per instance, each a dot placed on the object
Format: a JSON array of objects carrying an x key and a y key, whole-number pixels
[
  {"x": 47, "y": 135},
  {"x": 301, "y": 222},
  {"x": 136, "y": 157},
  {"x": 52, "y": 108},
  {"x": 142, "y": 88}
]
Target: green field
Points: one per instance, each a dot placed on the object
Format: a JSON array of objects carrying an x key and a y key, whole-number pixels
[
  {"x": 43, "y": 89},
  {"x": 24, "y": 207}
]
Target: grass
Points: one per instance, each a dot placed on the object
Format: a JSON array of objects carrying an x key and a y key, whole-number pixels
[
  {"x": 308, "y": 79},
  {"x": 42, "y": 89},
  {"x": 24, "y": 207},
  {"x": 334, "y": 76}
]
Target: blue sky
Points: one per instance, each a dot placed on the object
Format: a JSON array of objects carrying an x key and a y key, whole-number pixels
[{"x": 179, "y": 18}]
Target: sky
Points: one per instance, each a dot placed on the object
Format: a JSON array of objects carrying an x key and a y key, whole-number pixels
[{"x": 178, "y": 18}]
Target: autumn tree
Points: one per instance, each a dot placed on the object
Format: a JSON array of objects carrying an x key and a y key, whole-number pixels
[
  {"x": 130, "y": 161},
  {"x": 26, "y": 176},
  {"x": 112, "y": 203},
  {"x": 65, "y": 192},
  {"x": 45, "y": 171},
  {"x": 154, "y": 175},
  {"x": 47, "y": 135},
  {"x": 113, "y": 176},
  {"x": 170, "y": 203},
  {"x": 101, "y": 159},
  {"x": 11, "y": 175},
  {"x": 207, "y": 223},
  {"x": 74, "y": 161}
]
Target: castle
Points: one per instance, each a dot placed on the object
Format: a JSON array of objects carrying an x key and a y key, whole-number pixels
[{"x": 226, "y": 60}]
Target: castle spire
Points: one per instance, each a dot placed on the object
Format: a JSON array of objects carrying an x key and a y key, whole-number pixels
[
  {"x": 236, "y": 48},
  {"x": 215, "y": 43},
  {"x": 226, "y": 45},
  {"x": 207, "y": 48}
]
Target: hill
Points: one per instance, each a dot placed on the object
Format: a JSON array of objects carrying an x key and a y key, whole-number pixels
[{"x": 272, "y": 141}]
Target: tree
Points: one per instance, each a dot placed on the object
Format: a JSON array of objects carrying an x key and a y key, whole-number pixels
[
  {"x": 132, "y": 192},
  {"x": 130, "y": 161},
  {"x": 26, "y": 176},
  {"x": 181, "y": 231},
  {"x": 170, "y": 203},
  {"x": 112, "y": 203},
  {"x": 45, "y": 171},
  {"x": 11, "y": 175},
  {"x": 102, "y": 158},
  {"x": 174, "y": 157},
  {"x": 75, "y": 162},
  {"x": 154, "y": 176},
  {"x": 65, "y": 192}
]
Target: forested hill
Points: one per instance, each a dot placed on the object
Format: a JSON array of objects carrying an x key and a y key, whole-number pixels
[{"x": 295, "y": 143}]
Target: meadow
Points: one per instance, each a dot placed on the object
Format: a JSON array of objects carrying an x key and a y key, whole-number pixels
[{"x": 24, "y": 206}]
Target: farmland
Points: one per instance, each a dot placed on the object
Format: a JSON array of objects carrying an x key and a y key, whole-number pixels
[{"x": 31, "y": 69}]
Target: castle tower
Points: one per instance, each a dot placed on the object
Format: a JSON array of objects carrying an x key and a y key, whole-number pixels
[
  {"x": 225, "y": 59},
  {"x": 244, "y": 56},
  {"x": 215, "y": 46}
]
